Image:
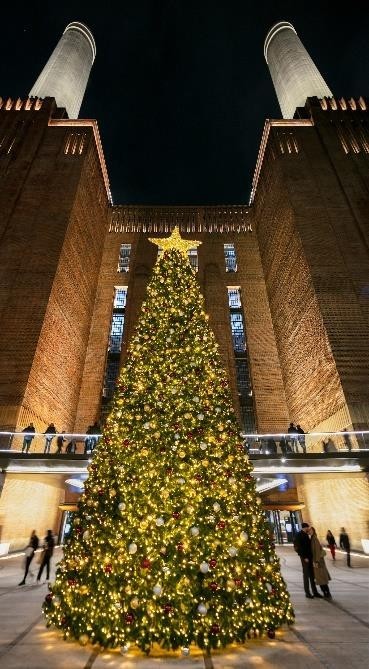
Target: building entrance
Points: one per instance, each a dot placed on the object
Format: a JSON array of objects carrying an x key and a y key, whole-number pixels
[{"x": 284, "y": 524}]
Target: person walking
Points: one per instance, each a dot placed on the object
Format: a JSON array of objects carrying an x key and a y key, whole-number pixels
[
  {"x": 331, "y": 544},
  {"x": 49, "y": 433},
  {"x": 30, "y": 552},
  {"x": 345, "y": 545},
  {"x": 321, "y": 572},
  {"x": 47, "y": 555},
  {"x": 29, "y": 433},
  {"x": 302, "y": 545}
]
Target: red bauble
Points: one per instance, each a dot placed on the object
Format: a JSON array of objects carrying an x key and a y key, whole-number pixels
[
  {"x": 176, "y": 426},
  {"x": 146, "y": 563},
  {"x": 169, "y": 470},
  {"x": 221, "y": 524},
  {"x": 101, "y": 491},
  {"x": 180, "y": 547},
  {"x": 167, "y": 608},
  {"x": 126, "y": 442},
  {"x": 198, "y": 477},
  {"x": 261, "y": 544},
  {"x": 79, "y": 530},
  {"x": 190, "y": 435},
  {"x": 238, "y": 582},
  {"x": 212, "y": 563},
  {"x": 48, "y": 598},
  {"x": 72, "y": 581},
  {"x": 271, "y": 634},
  {"x": 214, "y": 629},
  {"x": 176, "y": 515},
  {"x": 108, "y": 568},
  {"x": 129, "y": 618},
  {"x": 213, "y": 586}
]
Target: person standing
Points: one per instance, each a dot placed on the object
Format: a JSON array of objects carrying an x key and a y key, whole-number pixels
[
  {"x": 29, "y": 433},
  {"x": 292, "y": 431},
  {"x": 331, "y": 544},
  {"x": 49, "y": 433},
  {"x": 47, "y": 555},
  {"x": 59, "y": 443},
  {"x": 30, "y": 552},
  {"x": 302, "y": 545},
  {"x": 321, "y": 572},
  {"x": 345, "y": 545},
  {"x": 301, "y": 438}
]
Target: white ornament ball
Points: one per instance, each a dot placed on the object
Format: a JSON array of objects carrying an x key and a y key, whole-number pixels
[
  {"x": 200, "y": 416},
  {"x": 86, "y": 534},
  {"x": 244, "y": 536},
  {"x": 181, "y": 481},
  {"x": 232, "y": 480},
  {"x": 159, "y": 521},
  {"x": 211, "y": 519},
  {"x": 166, "y": 570},
  {"x": 216, "y": 507},
  {"x": 232, "y": 550},
  {"x": 269, "y": 587},
  {"x": 147, "y": 426},
  {"x": 194, "y": 531},
  {"x": 217, "y": 409},
  {"x": 177, "y": 436},
  {"x": 157, "y": 589},
  {"x": 204, "y": 567},
  {"x": 196, "y": 399},
  {"x": 132, "y": 548},
  {"x": 202, "y": 609},
  {"x": 203, "y": 446},
  {"x": 174, "y": 447},
  {"x": 121, "y": 506}
]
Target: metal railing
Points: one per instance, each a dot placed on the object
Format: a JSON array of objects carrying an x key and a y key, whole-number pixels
[{"x": 281, "y": 444}]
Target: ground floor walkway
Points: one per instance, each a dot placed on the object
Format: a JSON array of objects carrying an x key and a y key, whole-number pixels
[{"x": 331, "y": 634}]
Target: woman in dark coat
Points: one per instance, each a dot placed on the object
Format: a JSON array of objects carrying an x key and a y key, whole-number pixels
[
  {"x": 47, "y": 554},
  {"x": 321, "y": 573}
]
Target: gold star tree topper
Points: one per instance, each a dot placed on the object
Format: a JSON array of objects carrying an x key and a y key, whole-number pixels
[{"x": 175, "y": 241}]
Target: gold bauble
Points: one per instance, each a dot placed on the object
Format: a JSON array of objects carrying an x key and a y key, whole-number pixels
[
  {"x": 182, "y": 454},
  {"x": 134, "y": 603}
]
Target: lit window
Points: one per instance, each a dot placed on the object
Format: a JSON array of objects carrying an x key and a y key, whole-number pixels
[
  {"x": 116, "y": 333},
  {"x": 193, "y": 259},
  {"x": 124, "y": 257},
  {"x": 120, "y": 297},
  {"x": 230, "y": 258},
  {"x": 238, "y": 333},
  {"x": 234, "y": 298},
  {"x": 111, "y": 374}
]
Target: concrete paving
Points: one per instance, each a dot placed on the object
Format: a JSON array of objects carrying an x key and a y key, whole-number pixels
[{"x": 330, "y": 634}]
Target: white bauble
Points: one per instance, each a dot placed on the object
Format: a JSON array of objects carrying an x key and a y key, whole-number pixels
[
  {"x": 269, "y": 587},
  {"x": 194, "y": 531},
  {"x": 232, "y": 550},
  {"x": 86, "y": 534},
  {"x": 216, "y": 507},
  {"x": 211, "y": 519},
  {"x": 204, "y": 567},
  {"x": 177, "y": 436},
  {"x": 157, "y": 590},
  {"x": 232, "y": 480},
  {"x": 185, "y": 651},
  {"x": 159, "y": 521},
  {"x": 203, "y": 446},
  {"x": 200, "y": 416},
  {"x": 166, "y": 570},
  {"x": 244, "y": 536},
  {"x": 181, "y": 481},
  {"x": 147, "y": 426},
  {"x": 202, "y": 609},
  {"x": 196, "y": 399},
  {"x": 132, "y": 548},
  {"x": 121, "y": 506},
  {"x": 124, "y": 649}
]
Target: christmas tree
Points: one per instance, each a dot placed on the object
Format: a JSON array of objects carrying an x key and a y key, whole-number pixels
[{"x": 169, "y": 543}]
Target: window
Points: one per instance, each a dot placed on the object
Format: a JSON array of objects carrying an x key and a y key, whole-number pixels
[
  {"x": 115, "y": 342},
  {"x": 193, "y": 259},
  {"x": 116, "y": 333},
  {"x": 124, "y": 256},
  {"x": 243, "y": 377},
  {"x": 230, "y": 258}
]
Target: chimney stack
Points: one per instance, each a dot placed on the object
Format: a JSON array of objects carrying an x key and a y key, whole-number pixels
[
  {"x": 294, "y": 74},
  {"x": 66, "y": 73}
]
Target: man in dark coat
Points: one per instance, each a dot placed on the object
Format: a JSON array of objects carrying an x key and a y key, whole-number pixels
[
  {"x": 345, "y": 545},
  {"x": 302, "y": 546}
]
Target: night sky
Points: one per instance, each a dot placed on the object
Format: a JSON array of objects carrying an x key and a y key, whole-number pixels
[{"x": 180, "y": 88}]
